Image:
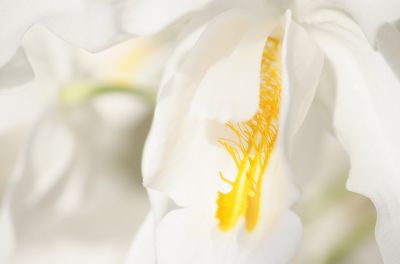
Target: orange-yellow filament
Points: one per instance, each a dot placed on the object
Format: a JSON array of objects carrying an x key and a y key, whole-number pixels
[{"x": 252, "y": 147}]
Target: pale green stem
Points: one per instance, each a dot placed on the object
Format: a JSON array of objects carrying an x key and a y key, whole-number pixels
[
  {"x": 332, "y": 195},
  {"x": 353, "y": 240},
  {"x": 80, "y": 92}
]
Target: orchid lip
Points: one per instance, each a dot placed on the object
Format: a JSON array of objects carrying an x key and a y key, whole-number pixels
[{"x": 251, "y": 148}]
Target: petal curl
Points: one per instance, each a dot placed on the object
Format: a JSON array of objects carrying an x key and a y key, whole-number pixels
[
  {"x": 365, "y": 113},
  {"x": 90, "y": 24}
]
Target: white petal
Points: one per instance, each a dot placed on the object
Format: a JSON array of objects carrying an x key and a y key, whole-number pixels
[
  {"x": 188, "y": 141},
  {"x": 371, "y": 14},
  {"x": 229, "y": 90},
  {"x": 143, "y": 249},
  {"x": 317, "y": 154},
  {"x": 365, "y": 117},
  {"x": 187, "y": 236},
  {"x": 89, "y": 24},
  {"x": 302, "y": 65},
  {"x": 16, "y": 71},
  {"x": 7, "y": 233},
  {"x": 184, "y": 164},
  {"x": 146, "y": 17},
  {"x": 388, "y": 42},
  {"x": 184, "y": 236},
  {"x": 280, "y": 245},
  {"x": 65, "y": 209}
]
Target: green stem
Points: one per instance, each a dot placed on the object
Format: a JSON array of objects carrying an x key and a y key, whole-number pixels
[
  {"x": 352, "y": 241},
  {"x": 80, "y": 92}
]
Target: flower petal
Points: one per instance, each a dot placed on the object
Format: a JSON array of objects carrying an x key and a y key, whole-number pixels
[
  {"x": 143, "y": 248},
  {"x": 17, "y": 71},
  {"x": 87, "y": 188},
  {"x": 89, "y": 24},
  {"x": 229, "y": 90},
  {"x": 388, "y": 42},
  {"x": 187, "y": 141},
  {"x": 203, "y": 245},
  {"x": 371, "y": 15},
  {"x": 365, "y": 113},
  {"x": 302, "y": 65},
  {"x": 148, "y": 17}
]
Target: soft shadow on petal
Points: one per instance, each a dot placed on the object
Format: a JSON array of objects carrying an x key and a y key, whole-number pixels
[
  {"x": 204, "y": 244},
  {"x": 85, "y": 206},
  {"x": 229, "y": 90},
  {"x": 371, "y": 14},
  {"x": 365, "y": 120},
  {"x": 90, "y": 24},
  {"x": 389, "y": 44},
  {"x": 16, "y": 71},
  {"x": 143, "y": 248},
  {"x": 302, "y": 65},
  {"x": 184, "y": 161},
  {"x": 148, "y": 17}
]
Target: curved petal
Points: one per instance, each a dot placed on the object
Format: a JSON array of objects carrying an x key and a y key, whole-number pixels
[
  {"x": 143, "y": 248},
  {"x": 87, "y": 23},
  {"x": 302, "y": 66},
  {"x": 184, "y": 164},
  {"x": 148, "y": 17},
  {"x": 239, "y": 71},
  {"x": 186, "y": 136},
  {"x": 371, "y": 15},
  {"x": 191, "y": 228},
  {"x": 317, "y": 154},
  {"x": 73, "y": 199},
  {"x": 17, "y": 71},
  {"x": 365, "y": 118},
  {"x": 388, "y": 42}
]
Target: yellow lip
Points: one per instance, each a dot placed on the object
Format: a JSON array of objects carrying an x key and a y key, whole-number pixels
[{"x": 252, "y": 147}]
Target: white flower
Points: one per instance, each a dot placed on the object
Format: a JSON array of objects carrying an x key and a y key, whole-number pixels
[
  {"x": 76, "y": 196},
  {"x": 225, "y": 139}
]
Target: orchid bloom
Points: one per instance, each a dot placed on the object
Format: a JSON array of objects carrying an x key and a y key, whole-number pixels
[
  {"x": 245, "y": 82},
  {"x": 76, "y": 195}
]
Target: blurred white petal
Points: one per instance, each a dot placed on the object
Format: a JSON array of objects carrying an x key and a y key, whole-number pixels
[
  {"x": 302, "y": 62},
  {"x": 371, "y": 15},
  {"x": 140, "y": 17},
  {"x": 16, "y": 71},
  {"x": 88, "y": 207},
  {"x": 238, "y": 69},
  {"x": 90, "y": 24},
  {"x": 77, "y": 194},
  {"x": 388, "y": 41},
  {"x": 365, "y": 114}
]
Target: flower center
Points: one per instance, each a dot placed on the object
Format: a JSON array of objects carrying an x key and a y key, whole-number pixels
[{"x": 252, "y": 146}]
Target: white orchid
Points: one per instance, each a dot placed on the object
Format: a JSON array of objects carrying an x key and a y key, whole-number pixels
[
  {"x": 246, "y": 84},
  {"x": 76, "y": 196},
  {"x": 253, "y": 92}
]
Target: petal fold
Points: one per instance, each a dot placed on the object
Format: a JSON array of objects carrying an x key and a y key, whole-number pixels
[
  {"x": 365, "y": 113},
  {"x": 90, "y": 24}
]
